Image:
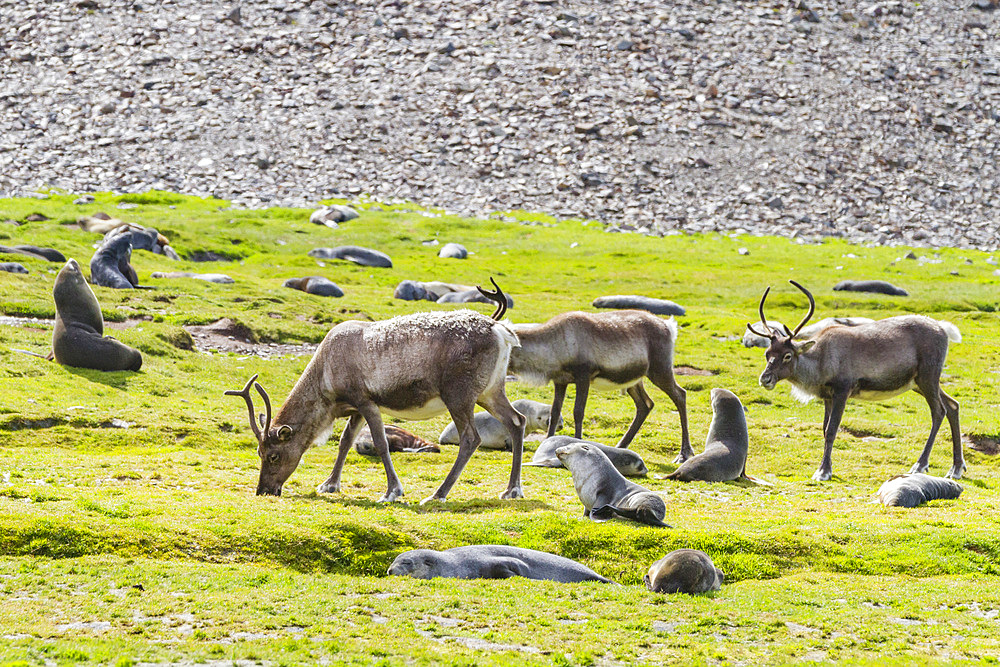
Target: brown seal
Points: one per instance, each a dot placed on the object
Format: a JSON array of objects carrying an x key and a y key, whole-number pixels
[
  {"x": 725, "y": 455},
  {"x": 684, "y": 571}
]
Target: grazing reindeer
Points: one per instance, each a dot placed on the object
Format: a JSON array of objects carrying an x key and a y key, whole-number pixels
[
  {"x": 613, "y": 350},
  {"x": 872, "y": 362},
  {"x": 412, "y": 366}
]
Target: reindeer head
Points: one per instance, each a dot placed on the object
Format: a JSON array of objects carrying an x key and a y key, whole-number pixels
[
  {"x": 278, "y": 458},
  {"x": 783, "y": 353}
]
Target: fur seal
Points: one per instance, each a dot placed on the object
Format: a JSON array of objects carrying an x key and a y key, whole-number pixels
[
  {"x": 217, "y": 278},
  {"x": 78, "y": 336},
  {"x": 400, "y": 440},
  {"x": 491, "y": 561},
  {"x": 356, "y": 254},
  {"x": 750, "y": 339},
  {"x": 453, "y": 251},
  {"x": 873, "y": 286},
  {"x": 47, "y": 254},
  {"x": 470, "y": 296},
  {"x": 494, "y": 434},
  {"x": 144, "y": 238},
  {"x": 914, "y": 489},
  {"x": 603, "y": 490},
  {"x": 12, "y": 267},
  {"x": 624, "y": 460},
  {"x": 110, "y": 267},
  {"x": 331, "y": 215},
  {"x": 414, "y": 290},
  {"x": 317, "y": 285},
  {"x": 626, "y": 301},
  {"x": 725, "y": 456},
  {"x": 684, "y": 571}
]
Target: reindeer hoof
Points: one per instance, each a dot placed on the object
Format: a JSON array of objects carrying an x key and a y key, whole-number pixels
[
  {"x": 432, "y": 499},
  {"x": 918, "y": 467},
  {"x": 822, "y": 475},
  {"x": 956, "y": 472},
  {"x": 328, "y": 487},
  {"x": 391, "y": 495},
  {"x": 681, "y": 458},
  {"x": 512, "y": 494}
]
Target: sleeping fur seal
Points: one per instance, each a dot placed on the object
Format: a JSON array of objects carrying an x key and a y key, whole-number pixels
[
  {"x": 684, "y": 571},
  {"x": 873, "y": 286},
  {"x": 491, "y": 561},
  {"x": 78, "y": 337},
  {"x": 317, "y": 285},
  {"x": 915, "y": 489},
  {"x": 48, "y": 254},
  {"x": 624, "y": 460},
  {"x": 495, "y": 435},
  {"x": 414, "y": 290},
  {"x": 725, "y": 456},
  {"x": 470, "y": 296},
  {"x": 750, "y": 339},
  {"x": 400, "y": 440},
  {"x": 13, "y": 267},
  {"x": 631, "y": 301},
  {"x": 603, "y": 490},
  {"x": 110, "y": 267},
  {"x": 356, "y": 254}
]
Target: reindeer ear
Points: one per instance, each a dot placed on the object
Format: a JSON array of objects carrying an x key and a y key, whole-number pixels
[
  {"x": 804, "y": 347},
  {"x": 284, "y": 432}
]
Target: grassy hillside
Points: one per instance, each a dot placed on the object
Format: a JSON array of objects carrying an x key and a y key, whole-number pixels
[{"x": 146, "y": 543}]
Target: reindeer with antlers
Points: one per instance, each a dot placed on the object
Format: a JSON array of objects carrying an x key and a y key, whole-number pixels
[
  {"x": 874, "y": 361},
  {"x": 413, "y": 367}
]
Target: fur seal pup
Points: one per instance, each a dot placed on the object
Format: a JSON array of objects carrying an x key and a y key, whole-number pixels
[
  {"x": 12, "y": 267},
  {"x": 491, "y": 561},
  {"x": 453, "y": 251},
  {"x": 110, "y": 267},
  {"x": 356, "y": 254},
  {"x": 624, "y": 460},
  {"x": 684, "y": 571},
  {"x": 317, "y": 285},
  {"x": 914, "y": 489},
  {"x": 494, "y": 435},
  {"x": 78, "y": 336},
  {"x": 626, "y": 301},
  {"x": 217, "y": 278},
  {"x": 725, "y": 455},
  {"x": 603, "y": 490},
  {"x": 400, "y": 440},
  {"x": 331, "y": 215},
  {"x": 873, "y": 286}
]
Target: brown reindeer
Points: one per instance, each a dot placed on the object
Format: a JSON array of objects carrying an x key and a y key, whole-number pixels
[
  {"x": 874, "y": 362},
  {"x": 613, "y": 350},
  {"x": 413, "y": 367}
]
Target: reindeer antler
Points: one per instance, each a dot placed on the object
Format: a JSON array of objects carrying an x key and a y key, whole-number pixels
[
  {"x": 245, "y": 393},
  {"x": 763, "y": 320},
  {"x": 812, "y": 308},
  {"x": 497, "y": 296}
]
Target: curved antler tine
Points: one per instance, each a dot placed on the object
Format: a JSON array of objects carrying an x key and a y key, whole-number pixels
[
  {"x": 267, "y": 406},
  {"x": 499, "y": 297},
  {"x": 764, "y": 335},
  {"x": 760, "y": 309},
  {"x": 245, "y": 393},
  {"x": 812, "y": 308}
]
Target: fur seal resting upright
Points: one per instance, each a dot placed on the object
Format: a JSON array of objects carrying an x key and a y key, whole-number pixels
[
  {"x": 12, "y": 267},
  {"x": 626, "y": 301},
  {"x": 603, "y": 490},
  {"x": 491, "y": 561},
  {"x": 725, "y": 455},
  {"x": 494, "y": 435},
  {"x": 400, "y": 440},
  {"x": 317, "y": 285},
  {"x": 110, "y": 267},
  {"x": 470, "y": 296},
  {"x": 873, "y": 286},
  {"x": 625, "y": 461},
  {"x": 78, "y": 336},
  {"x": 684, "y": 571},
  {"x": 356, "y": 254},
  {"x": 915, "y": 489}
]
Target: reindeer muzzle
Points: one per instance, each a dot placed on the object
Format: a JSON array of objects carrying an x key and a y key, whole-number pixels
[
  {"x": 268, "y": 490},
  {"x": 767, "y": 380}
]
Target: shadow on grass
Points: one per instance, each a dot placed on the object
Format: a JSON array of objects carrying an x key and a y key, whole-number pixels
[
  {"x": 114, "y": 379},
  {"x": 456, "y": 506}
]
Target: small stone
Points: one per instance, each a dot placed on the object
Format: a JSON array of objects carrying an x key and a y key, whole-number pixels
[
  {"x": 625, "y": 45},
  {"x": 85, "y": 199},
  {"x": 776, "y": 203},
  {"x": 910, "y": 255},
  {"x": 743, "y": 251},
  {"x": 234, "y": 16}
]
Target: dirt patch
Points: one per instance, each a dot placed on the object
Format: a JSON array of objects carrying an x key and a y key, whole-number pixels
[
  {"x": 691, "y": 370},
  {"x": 984, "y": 444},
  {"x": 226, "y": 335}
]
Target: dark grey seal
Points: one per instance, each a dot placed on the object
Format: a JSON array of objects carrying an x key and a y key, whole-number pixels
[
  {"x": 356, "y": 254},
  {"x": 317, "y": 285},
  {"x": 470, "y": 296},
  {"x": 110, "y": 267},
  {"x": 491, "y": 561},
  {"x": 453, "y": 251},
  {"x": 12, "y": 267},
  {"x": 684, "y": 571},
  {"x": 873, "y": 286},
  {"x": 915, "y": 489},
  {"x": 48, "y": 254},
  {"x": 415, "y": 290},
  {"x": 495, "y": 435},
  {"x": 725, "y": 456},
  {"x": 625, "y": 301},
  {"x": 78, "y": 336},
  {"x": 603, "y": 490},
  {"x": 624, "y": 460},
  {"x": 143, "y": 238},
  {"x": 399, "y": 439}
]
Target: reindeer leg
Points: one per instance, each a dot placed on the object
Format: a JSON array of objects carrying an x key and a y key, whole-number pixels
[
  {"x": 394, "y": 488},
  {"x": 556, "y": 412},
  {"x": 580, "y": 404},
  {"x": 958, "y": 459},
  {"x": 498, "y": 406},
  {"x": 332, "y": 484},
  {"x": 643, "y": 406},
  {"x": 831, "y": 426},
  {"x": 665, "y": 381},
  {"x": 934, "y": 402},
  {"x": 468, "y": 442}
]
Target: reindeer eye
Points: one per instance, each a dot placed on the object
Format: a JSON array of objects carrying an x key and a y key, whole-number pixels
[
  {"x": 273, "y": 457},
  {"x": 788, "y": 357}
]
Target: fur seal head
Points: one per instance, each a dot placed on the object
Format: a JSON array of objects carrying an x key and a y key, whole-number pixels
[
  {"x": 729, "y": 421},
  {"x": 75, "y": 300},
  {"x": 684, "y": 571}
]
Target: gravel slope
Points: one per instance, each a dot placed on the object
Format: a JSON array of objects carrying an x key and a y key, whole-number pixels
[{"x": 877, "y": 121}]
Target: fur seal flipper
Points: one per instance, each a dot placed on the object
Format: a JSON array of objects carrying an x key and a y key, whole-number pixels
[
  {"x": 78, "y": 336},
  {"x": 725, "y": 456},
  {"x": 491, "y": 561}
]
